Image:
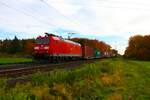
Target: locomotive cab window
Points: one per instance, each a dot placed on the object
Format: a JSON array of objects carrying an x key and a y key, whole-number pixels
[{"x": 45, "y": 40}]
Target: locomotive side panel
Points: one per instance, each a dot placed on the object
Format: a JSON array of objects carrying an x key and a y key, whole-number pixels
[{"x": 65, "y": 48}]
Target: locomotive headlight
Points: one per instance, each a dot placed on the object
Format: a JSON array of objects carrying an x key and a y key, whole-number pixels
[
  {"x": 46, "y": 48},
  {"x": 36, "y": 48}
]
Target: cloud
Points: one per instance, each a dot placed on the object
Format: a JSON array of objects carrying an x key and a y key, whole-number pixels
[{"x": 99, "y": 18}]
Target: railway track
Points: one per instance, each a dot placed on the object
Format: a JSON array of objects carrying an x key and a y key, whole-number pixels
[{"x": 18, "y": 70}]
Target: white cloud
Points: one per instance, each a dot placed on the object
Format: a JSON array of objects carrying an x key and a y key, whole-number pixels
[{"x": 122, "y": 18}]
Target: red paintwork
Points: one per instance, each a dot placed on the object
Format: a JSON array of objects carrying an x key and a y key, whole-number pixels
[
  {"x": 41, "y": 49},
  {"x": 88, "y": 52},
  {"x": 60, "y": 47}
]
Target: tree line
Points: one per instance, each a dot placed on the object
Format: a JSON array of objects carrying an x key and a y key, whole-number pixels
[
  {"x": 102, "y": 46},
  {"x": 15, "y": 46},
  {"x": 138, "y": 47},
  {"x": 26, "y": 46}
]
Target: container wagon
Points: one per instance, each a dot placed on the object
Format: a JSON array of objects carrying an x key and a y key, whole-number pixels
[
  {"x": 97, "y": 53},
  {"x": 87, "y": 52}
]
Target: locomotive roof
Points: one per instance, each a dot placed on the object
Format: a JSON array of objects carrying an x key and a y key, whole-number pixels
[
  {"x": 72, "y": 42},
  {"x": 69, "y": 41}
]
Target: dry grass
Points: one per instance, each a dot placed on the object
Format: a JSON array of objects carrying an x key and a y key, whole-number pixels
[
  {"x": 109, "y": 80},
  {"x": 115, "y": 96},
  {"x": 42, "y": 92},
  {"x": 62, "y": 92}
]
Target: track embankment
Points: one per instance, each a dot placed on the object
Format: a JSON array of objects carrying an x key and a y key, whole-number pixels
[{"x": 18, "y": 70}]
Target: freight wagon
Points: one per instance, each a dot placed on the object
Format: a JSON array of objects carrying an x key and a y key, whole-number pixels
[
  {"x": 87, "y": 52},
  {"x": 97, "y": 53},
  {"x": 90, "y": 53}
]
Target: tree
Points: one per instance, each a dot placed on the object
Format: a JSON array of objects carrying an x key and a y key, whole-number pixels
[
  {"x": 24, "y": 46},
  {"x": 5, "y": 47},
  {"x": 29, "y": 45},
  {"x": 15, "y": 46},
  {"x": 1, "y": 43},
  {"x": 138, "y": 48},
  {"x": 102, "y": 46}
]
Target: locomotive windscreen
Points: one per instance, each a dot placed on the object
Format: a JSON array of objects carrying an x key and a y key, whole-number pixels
[{"x": 42, "y": 40}]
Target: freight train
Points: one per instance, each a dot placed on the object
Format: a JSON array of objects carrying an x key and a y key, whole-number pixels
[{"x": 56, "y": 48}]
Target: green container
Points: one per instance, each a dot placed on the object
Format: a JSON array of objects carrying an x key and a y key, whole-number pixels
[{"x": 97, "y": 53}]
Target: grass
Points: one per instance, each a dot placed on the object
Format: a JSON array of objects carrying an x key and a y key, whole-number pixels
[
  {"x": 13, "y": 60},
  {"x": 110, "y": 79}
]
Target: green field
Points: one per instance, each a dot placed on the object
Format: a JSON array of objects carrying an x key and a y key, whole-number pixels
[
  {"x": 13, "y": 60},
  {"x": 110, "y": 79}
]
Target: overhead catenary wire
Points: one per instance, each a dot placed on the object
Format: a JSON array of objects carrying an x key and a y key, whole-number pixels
[
  {"x": 48, "y": 5},
  {"x": 58, "y": 12},
  {"x": 47, "y": 23},
  {"x": 126, "y": 7},
  {"x": 128, "y": 2},
  {"x": 50, "y": 24},
  {"x": 124, "y": 2},
  {"x": 116, "y": 7},
  {"x": 27, "y": 14},
  {"x": 10, "y": 22},
  {"x": 73, "y": 21},
  {"x": 108, "y": 1},
  {"x": 48, "y": 18}
]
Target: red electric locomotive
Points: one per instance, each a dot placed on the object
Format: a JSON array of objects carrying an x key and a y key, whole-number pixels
[{"x": 56, "y": 48}]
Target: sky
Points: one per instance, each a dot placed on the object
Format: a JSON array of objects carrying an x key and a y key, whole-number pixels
[{"x": 112, "y": 21}]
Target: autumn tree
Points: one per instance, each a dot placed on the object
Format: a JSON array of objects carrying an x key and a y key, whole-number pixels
[
  {"x": 29, "y": 45},
  {"x": 139, "y": 48},
  {"x": 14, "y": 46},
  {"x": 102, "y": 46}
]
